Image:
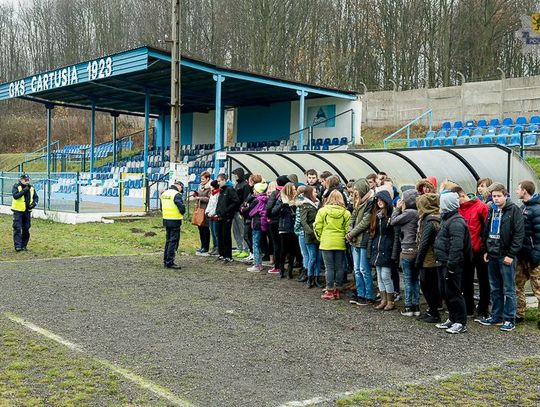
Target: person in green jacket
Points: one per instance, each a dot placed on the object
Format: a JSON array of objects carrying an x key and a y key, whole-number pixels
[{"x": 331, "y": 226}]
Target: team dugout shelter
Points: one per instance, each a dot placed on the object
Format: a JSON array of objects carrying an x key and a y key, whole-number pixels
[{"x": 137, "y": 82}]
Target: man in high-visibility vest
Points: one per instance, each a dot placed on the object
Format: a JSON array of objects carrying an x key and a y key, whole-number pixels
[
  {"x": 24, "y": 200},
  {"x": 173, "y": 209}
]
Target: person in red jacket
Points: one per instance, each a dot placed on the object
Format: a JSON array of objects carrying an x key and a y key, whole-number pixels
[{"x": 475, "y": 214}]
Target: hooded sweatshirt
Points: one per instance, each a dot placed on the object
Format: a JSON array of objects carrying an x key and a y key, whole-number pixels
[
  {"x": 331, "y": 226},
  {"x": 531, "y": 243},
  {"x": 242, "y": 187},
  {"x": 504, "y": 231},
  {"x": 407, "y": 221},
  {"x": 475, "y": 214}
]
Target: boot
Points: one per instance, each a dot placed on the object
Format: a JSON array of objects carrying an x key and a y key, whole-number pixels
[
  {"x": 310, "y": 282},
  {"x": 303, "y": 277},
  {"x": 290, "y": 273},
  {"x": 318, "y": 282},
  {"x": 389, "y": 302},
  {"x": 383, "y": 302},
  {"x": 282, "y": 273}
]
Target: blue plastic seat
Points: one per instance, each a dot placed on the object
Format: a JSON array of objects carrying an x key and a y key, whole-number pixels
[
  {"x": 465, "y": 133},
  {"x": 494, "y": 122},
  {"x": 335, "y": 141},
  {"x": 530, "y": 139},
  {"x": 343, "y": 141},
  {"x": 517, "y": 129},
  {"x": 319, "y": 142},
  {"x": 462, "y": 141},
  {"x": 501, "y": 140},
  {"x": 474, "y": 140},
  {"x": 507, "y": 121},
  {"x": 482, "y": 123},
  {"x": 532, "y": 127},
  {"x": 430, "y": 134},
  {"x": 441, "y": 134},
  {"x": 491, "y": 131},
  {"x": 325, "y": 147},
  {"x": 436, "y": 142},
  {"x": 424, "y": 142},
  {"x": 521, "y": 120},
  {"x": 412, "y": 143},
  {"x": 478, "y": 132},
  {"x": 505, "y": 130},
  {"x": 458, "y": 124},
  {"x": 469, "y": 124},
  {"x": 453, "y": 133},
  {"x": 534, "y": 120},
  {"x": 449, "y": 141},
  {"x": 446, "y": 125}
]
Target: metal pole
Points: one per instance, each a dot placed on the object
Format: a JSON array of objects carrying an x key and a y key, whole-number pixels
[
  {"x": 78, "y": 193},
  {"x": 521, "y": 152},
  {"x": 175, "y": 81},
  {"x": 353, "y": 117},
  {"x": 146, "y": 135},
  {"x": 49, "y": 131},
  {"x": 114, "y": 131},
  {"x": 92, "y": 137},
  {"x": 217, "y": 126},
  {"x": 301, "y": 116},
  {"x": 163, "y": 138}
]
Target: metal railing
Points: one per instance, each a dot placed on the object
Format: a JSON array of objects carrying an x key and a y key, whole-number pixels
[{"x": 407, "y": 127}]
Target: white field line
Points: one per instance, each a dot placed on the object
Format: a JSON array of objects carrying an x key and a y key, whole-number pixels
[{"x": 135, "y": 378}]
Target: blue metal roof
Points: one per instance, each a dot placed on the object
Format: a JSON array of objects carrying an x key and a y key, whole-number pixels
[{"x": 119, "y": 82}]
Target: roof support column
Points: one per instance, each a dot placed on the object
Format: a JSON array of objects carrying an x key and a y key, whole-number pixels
[
  {"x": 114, "y": 130},
  {"x": 146, "y": 130},
  {"x": 49, "y": 136},
  {"x": 92, "y": 137},
  {"x": 301, "y": 116},
  {"x": 217, "y": 127},
  {"x": 163, "y": 116}
]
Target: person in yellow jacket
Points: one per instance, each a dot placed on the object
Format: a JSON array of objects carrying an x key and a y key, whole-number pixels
[
  {"x": 173, "y": 209},
  {"x": 330, "y": 227},
  {"x": 24, "y": 200}
]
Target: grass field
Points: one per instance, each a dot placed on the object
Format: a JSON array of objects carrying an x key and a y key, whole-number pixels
[{"x": 51, "y": 239}]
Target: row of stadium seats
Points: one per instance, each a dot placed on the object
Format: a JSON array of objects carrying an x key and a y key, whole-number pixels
[
  {"x": 514, "y": 140},
  {"x": 479, "y": 132},
  {"x": 495, "y": 122}
]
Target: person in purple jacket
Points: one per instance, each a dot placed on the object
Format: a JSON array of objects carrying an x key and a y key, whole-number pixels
[{"x": 259, "y": 223}]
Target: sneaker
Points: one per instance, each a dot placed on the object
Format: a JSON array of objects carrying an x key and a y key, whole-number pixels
[
  {"x": 220, "y": 258},
  {"x": 228, "y": 260},
  {"x": 416, "y": 310},
  {"x": 202, "y": 254},
  {"x": 242, "y": 255},
  {"x": 508, "y": 326},
  {"x": 249, "y": 258},
  {"x": 328, "y": 295},
  {"x": 354, "y": 299},
  {"x": 363, "y": 301},
  {"x": 397, "y": 296},
  {"x": 488, "y": 322},
  {"x": 457, "y": 328},
  {"x": 214, "y": 252},
  {"x": 255, "y": 269},
  {"x": 431, "y": 319},
  {"x": 407, "y": 312},
  {"x": 274, "y": 271},
  {"x": 445, "y": 325}
]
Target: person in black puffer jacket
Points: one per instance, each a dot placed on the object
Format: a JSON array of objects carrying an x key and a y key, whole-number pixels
[
  {"x": 381, "y": 244},
  {"x": 452, "y": 249},
  {"x": 285, "y": 211},
  {"x": 243, "y": 190},
  {"x": 529, "y": 258},
  {"x": 273, "y": 200}
]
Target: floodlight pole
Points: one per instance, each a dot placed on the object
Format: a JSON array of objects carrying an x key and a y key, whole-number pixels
[{"x": 175, "y": 81}]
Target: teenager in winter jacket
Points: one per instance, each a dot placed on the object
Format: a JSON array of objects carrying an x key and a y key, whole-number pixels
[
  {"x": 406, "y": 218},
  {"x": 226, "y": 209},
  {"x": 308, "y": 213},
  {"x": 331, "y": 226},
  {"x": 358, "y": 237},
  {"x": 474, "y": 212},
  {"x": 428, "y": 228},
  {"x": 453, "y": 250},
  {"x": 273, "y": 200},
  {"x": 202, "y": 196},
  {"x": 382, "y": 242},
  {"x": 259, "y": 223},
  {"x": 243, "y": 191},
  {"x": 528, "y": 268},
  {"x": 212, "y": 217},
  {"x": 285, "y": 211},
  {"x": 503, "y": 237},
  {"x": 299, "y": 232}
]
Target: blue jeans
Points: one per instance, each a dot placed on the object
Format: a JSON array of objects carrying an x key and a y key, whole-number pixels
[
  {"x": 257, "y": 255},
  {"x": 411, "y": 282},
  {"x": 384, "y": 279},
  {"x": 362, "y": 273},
  {"x": 502, "y": 280},
  {"x": 213, "y": 224},
  {"x": 303, "y": 250},
  {"x": 313, "y": 260}
]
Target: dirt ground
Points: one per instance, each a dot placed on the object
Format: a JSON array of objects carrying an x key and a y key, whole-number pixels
[{"x": 220, "y": 336}]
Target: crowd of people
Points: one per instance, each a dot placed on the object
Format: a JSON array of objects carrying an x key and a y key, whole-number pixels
[{"x": 438, "y": 237}]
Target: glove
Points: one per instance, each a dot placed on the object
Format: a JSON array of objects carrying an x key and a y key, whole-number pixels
[{"x": 32, "y": 205}]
